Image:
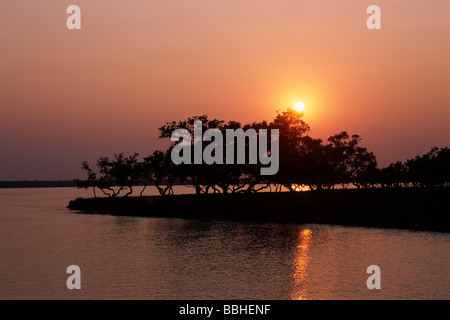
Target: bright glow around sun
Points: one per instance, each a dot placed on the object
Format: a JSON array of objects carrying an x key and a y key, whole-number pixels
[{"x": 299, "y": 106}]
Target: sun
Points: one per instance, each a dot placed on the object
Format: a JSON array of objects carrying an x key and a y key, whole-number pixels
[{"x": 299, "y": 106}]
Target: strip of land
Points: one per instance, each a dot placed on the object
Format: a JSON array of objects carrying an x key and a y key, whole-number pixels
[
  {"x": 37, "y": 184},
  {"x": 402, "y": 208}
]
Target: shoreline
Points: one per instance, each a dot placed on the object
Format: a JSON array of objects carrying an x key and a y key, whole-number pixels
[{"x": 403, "y": 208}]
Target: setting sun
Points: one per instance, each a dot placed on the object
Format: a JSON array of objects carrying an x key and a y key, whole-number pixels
[{"x": 299, "y": 106}]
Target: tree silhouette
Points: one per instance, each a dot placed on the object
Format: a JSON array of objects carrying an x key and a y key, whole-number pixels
[
  {"x": 352, "y": 163},
  {"x": 91, "y": 181},
  {"x": 121, "y": 172},
  {"x": 159, "y": 170},
  {"x": 341, "y": 161}
]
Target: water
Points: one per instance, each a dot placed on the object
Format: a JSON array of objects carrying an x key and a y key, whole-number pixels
[{"x": 157, "y": 258}]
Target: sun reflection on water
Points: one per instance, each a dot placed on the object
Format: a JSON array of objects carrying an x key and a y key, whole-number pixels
[{"x": 300, "y": 265}]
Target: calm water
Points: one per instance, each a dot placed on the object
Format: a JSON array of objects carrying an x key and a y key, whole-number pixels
[{"x": 155, "y": 258}]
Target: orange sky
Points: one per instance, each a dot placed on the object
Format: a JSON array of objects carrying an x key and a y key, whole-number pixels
[{"x": 73, "y": 95}]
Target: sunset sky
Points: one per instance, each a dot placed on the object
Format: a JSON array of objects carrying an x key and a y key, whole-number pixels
[{"x": 73, "y": 95}]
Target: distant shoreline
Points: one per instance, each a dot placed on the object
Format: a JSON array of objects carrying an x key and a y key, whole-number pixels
[
  {"x": 42, "y": 184},
  {"x": 37, "y": 184},
  {"x": 404, "y": 208}
]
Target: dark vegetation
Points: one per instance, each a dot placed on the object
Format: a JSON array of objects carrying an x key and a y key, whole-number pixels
[
  {"x": 339, "y": 162},
  {"x": 346, "y": 185}
]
